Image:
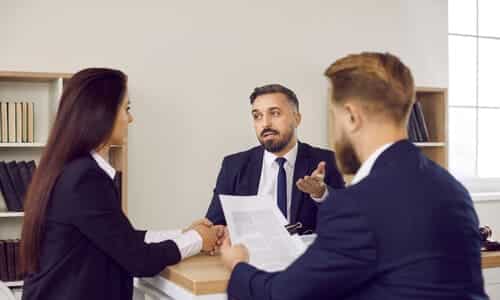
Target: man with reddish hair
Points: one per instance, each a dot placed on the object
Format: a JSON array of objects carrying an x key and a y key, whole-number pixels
[{"x": 404, "y": 229}]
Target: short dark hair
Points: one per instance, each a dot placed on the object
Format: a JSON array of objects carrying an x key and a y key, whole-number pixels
[{"x": 275, "y": 88}]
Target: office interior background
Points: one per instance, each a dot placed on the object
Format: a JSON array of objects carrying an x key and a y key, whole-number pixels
[{"x": 193, "y": 64}]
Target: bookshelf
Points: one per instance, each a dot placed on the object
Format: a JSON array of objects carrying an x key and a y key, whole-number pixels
[
  {"x": 434, "y": 102},
  {"x": 44, "y": 91},
  {"x": 434, "y": 107}
]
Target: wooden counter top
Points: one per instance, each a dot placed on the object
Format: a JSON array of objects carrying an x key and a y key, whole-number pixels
[
  {"x": 490, "y": 259},
  {"x": 201, "y": 275},
  {"x": 204, "y": 274}
]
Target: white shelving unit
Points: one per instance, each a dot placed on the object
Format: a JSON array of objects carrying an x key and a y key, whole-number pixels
[
  {"x": 44, "y": 90},
  {"x": 22, "y": 145},
  {"x": 13, "y": 284},
  {"x": 11, "y": 214}
]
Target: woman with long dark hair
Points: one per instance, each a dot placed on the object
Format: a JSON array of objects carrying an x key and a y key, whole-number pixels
[{"x": 76, "y": 242}]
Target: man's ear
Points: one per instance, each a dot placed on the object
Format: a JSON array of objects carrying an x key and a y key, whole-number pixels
[
  {"x": 354, "y": 116},
  {"x": 298, "y": 118}
]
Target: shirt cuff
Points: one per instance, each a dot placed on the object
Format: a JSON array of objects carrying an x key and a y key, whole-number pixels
[
  {"x": 322, "y": 199},
  {"x": 189, "y": 243},
  {"x": 158, "y": 236}
]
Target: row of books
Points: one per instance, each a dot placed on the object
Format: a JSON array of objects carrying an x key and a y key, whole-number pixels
[
  {"x": 9, "y": 261},
  {"x": 417, "y": 127},
  {"x": 14, "y": 181},
  {"x": 17, "y": 122}
]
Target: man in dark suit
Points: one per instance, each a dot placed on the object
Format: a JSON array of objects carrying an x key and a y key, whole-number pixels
[
  {"x": 274, "y": 167},
  {"x": 404, "y": 229}
]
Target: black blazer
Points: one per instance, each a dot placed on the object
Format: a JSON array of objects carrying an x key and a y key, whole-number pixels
[
  {"x": 240, "y": 175},
  {"x": 89, "y": 248},
  {"x": 407, "y": 231}
]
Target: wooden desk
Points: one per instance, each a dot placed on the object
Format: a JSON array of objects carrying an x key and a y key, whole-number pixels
[
  {"x": 204, "y": 277},
  {"x": 201, "y": 275},
  {"x": 491, "y": 273},
  {"x": 490, "y": 260}
]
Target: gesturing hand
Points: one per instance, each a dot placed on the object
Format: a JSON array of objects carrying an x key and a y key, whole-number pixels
[{"x": 314, "y": 184}]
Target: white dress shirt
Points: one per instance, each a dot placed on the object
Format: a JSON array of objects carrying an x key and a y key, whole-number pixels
[
  {"x": 189, "y": 243},
  {"x": 367, "y": 166},
  {"x": 268, "y": 184}
]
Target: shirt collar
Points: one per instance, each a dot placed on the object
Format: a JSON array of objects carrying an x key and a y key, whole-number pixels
[
  {"x": 104, "y": 164},
  {"x": 367, "y": 166},
  {"x": 291, "y": 156}
]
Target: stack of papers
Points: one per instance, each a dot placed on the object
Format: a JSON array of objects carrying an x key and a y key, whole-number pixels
[{"x": 257, "y": 223}]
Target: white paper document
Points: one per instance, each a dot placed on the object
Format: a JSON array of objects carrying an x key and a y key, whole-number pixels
[{"x": 257, "y": 223}]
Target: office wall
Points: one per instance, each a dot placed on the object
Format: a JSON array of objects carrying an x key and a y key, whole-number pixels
[{"x": 192, "y": 65}]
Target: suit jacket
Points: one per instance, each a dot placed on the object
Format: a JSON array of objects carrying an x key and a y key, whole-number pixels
[
  {"x": 406, "y": 231},
  {"x": 89, "y": 249},
  {"x": 240, "y": 175}
]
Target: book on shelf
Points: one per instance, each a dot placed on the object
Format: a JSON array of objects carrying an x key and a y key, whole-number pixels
[
  {"x": 3, "y": 204},
  {"x": 24, "y": 171},
  {"x": 4, "y": 274},
  {"x": 15, "y": 178},
  {"x": 17, "y": 122},
  {"x": 31, "y": 167},
  {"x": 8, "y": 190},
  {"x": 31, "y": 122},
  {"x": 419, "y": 114},
  {"x": 5, "y": 122},
  {"x": 25, "y": 122},
  {"x": 417, "y": 128},
  {"x": 9, "y": 260},
  {"x": 17, "y": 260},
  {"x": 11, "y": 112},
  {"x": 17, "y": 181}
]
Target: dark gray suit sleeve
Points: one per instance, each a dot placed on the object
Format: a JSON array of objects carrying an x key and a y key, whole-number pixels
[
  {"x": 341, "y": 259},
  {"x": 95, "y": 211}
]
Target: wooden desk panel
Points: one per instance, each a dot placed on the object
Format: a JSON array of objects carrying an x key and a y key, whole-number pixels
[
  {"x": 490, "y": 260},
  {"x": 202, "y": 274}
]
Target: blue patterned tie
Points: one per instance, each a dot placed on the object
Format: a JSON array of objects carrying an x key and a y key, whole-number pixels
[{"x": 282, "y": 185}]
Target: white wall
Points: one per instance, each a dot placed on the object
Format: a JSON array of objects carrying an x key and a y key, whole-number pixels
[{"x": 192, "y": 65}]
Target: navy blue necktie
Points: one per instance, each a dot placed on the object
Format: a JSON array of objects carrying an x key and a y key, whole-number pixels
[{"x": 282, "y": 185}]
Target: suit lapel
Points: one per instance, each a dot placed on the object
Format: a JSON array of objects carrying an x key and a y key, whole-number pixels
[
  {"x": 301, "y": 169},
  {"x": 249, "y": 180}
]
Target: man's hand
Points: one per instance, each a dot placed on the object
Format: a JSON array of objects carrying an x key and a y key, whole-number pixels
[
  {"x": 209, "y": 235},
  {"x": 220, "y": 232},
  {"x": 212, "y": 235},
  {"x": 203, "y": 221},
  {"x": 314, "y": 184},
  {"x": 232, "y": 255}
]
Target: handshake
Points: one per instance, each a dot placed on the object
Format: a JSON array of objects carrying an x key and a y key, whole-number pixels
[
  {"x": 212, "y": 235},
  {"x": 215, "y": 239}
]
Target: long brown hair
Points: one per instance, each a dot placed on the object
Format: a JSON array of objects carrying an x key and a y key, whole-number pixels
[{"x": 85, "y": 118}]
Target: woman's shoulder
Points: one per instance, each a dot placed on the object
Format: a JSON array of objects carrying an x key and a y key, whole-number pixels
[
  {"x": 80, "y": 169},
  {"x": 81, "y": 185}
]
